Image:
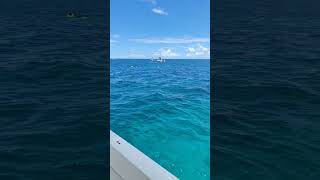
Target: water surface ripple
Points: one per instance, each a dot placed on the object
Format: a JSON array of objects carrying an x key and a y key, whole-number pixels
[
  {"x": 163, "y": 110},
  {"x": 266, "y": 90},
  {"x": 53, "y": 91}
]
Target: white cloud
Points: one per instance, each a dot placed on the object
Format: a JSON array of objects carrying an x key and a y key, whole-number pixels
[
  {"x": 154, "y": 2},
  {"x": 170, "y": 40},
  {"x": 165, "y": 52},
  {"x": 198, "y": 50},
  {"x": 159, "y": 11}
]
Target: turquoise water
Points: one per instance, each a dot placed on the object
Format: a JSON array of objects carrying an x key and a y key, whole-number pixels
[{"x": 163, "y": 109}]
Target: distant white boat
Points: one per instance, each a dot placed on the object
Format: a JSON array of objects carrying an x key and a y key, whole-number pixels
[{"x": 160, "y": 59}]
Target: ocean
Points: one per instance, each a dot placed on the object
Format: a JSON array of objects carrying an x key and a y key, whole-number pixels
[
  {"x": 266, "y": 94},
  {"x": 53, "y": 94},
  {"x": 266, "y": 90},
  {"x": 163, "y": 109}
]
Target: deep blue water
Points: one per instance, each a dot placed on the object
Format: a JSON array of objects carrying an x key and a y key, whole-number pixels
[
  {"x": 266, "y": 90},
  {"x": 164, "y": 110},
  {"x": 53, "y": 87}
]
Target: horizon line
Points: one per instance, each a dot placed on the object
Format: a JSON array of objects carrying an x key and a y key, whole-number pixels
[{"x": 165, "y": 58}]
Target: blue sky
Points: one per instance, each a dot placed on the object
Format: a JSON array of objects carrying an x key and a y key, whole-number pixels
[{"x": 172, "y": 29}]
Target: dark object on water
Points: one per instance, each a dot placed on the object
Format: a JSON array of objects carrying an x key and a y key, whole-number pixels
[{"x": 71, "y": 15}]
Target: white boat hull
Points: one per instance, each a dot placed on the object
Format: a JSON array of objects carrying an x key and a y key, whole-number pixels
[{"x": 128, "y": 163}]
